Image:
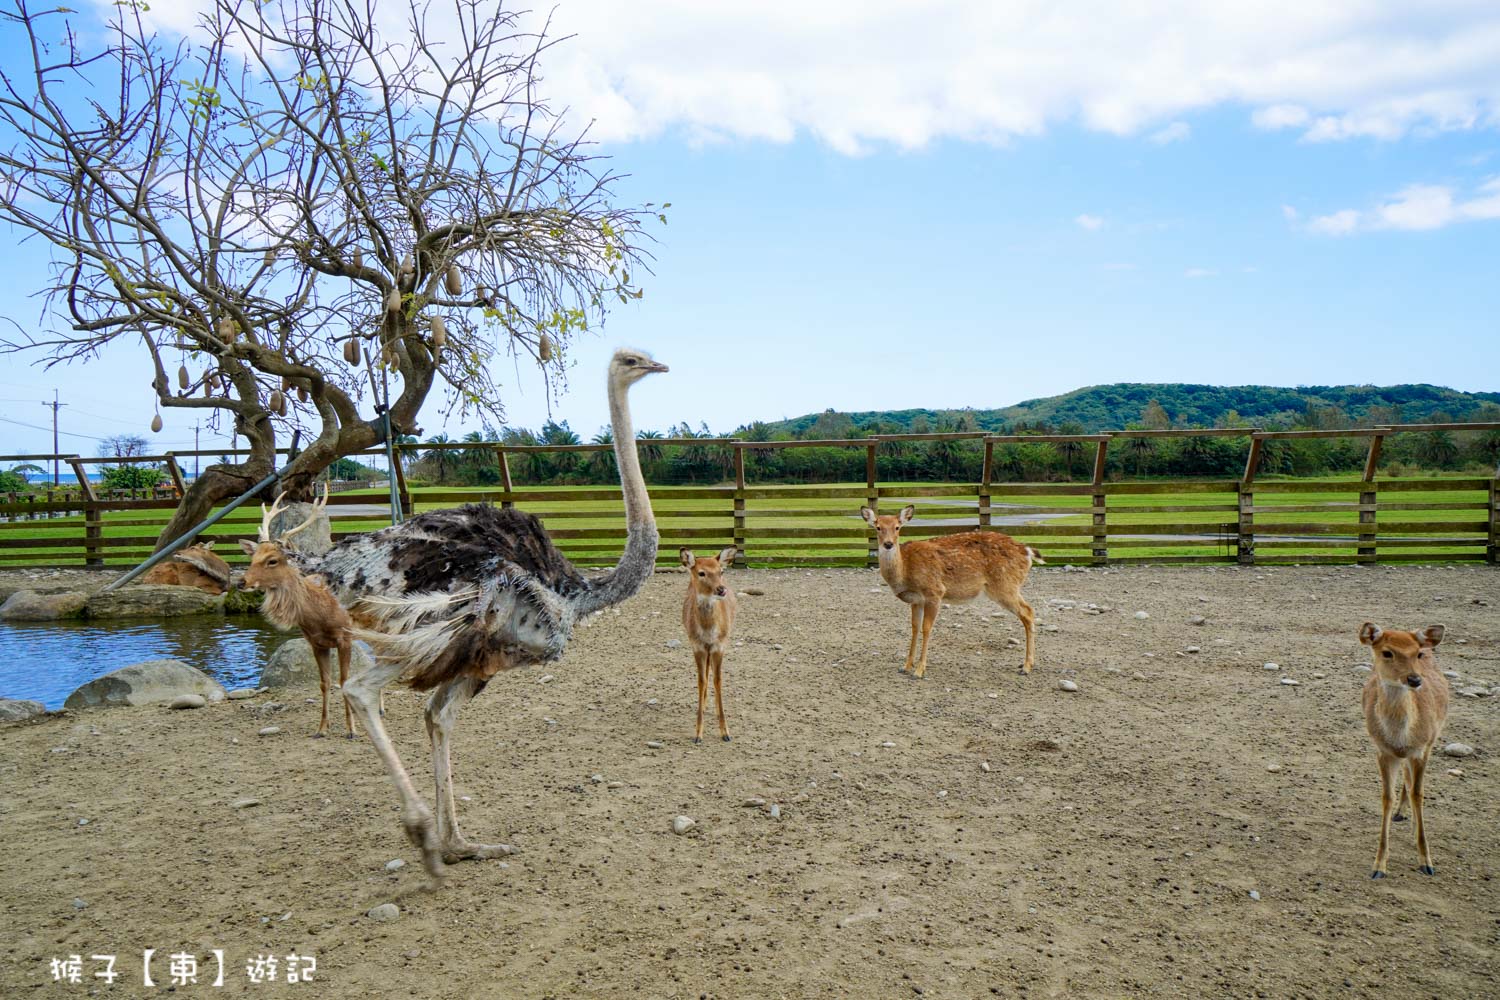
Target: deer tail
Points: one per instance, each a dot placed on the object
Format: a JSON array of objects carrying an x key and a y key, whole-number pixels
[{"x": 1033, "y": 556}]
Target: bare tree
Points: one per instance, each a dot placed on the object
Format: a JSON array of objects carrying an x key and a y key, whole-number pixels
[{"x": 302, "y": 219}]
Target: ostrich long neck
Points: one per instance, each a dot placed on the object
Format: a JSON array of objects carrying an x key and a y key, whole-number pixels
[{"x": 639, "y": 558}]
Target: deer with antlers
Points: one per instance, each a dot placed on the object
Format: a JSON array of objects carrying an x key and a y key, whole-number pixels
[{"x": 298, "y": 600}]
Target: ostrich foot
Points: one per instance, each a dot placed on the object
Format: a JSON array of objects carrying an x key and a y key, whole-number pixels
[
  {"x": 462, "y": 850},
  {"x": 422, "y": 832}
]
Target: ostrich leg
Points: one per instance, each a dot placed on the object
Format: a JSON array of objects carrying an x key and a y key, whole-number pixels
[
  {"x": 442, "y": 712},
  {"x": 364, "y": 692}
]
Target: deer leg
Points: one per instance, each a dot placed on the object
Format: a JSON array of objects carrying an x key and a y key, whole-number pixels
[
  {"x": 717, "y": 659},
  {"x": 929, "y": 618},
  {"x": 363, "y": 691},
  {"x": 1390, "y": 777},
  {"x": 1016, "y": 605},
  {"x": 700, "y": 660},
  {"x": 325, "y": 677},
  {"x": 442, "y": 711},
  {"x": 345, "y": 652},
  {"x": 911, "y": 647},
  {"x": 1416, "y": 768}
]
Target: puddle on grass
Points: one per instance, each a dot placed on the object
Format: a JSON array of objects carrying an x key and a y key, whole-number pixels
[{"x": 47, "y": 661}]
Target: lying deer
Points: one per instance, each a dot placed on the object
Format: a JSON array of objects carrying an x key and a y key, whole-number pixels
[
  {"x": 708, "y": 616},
  {"x": 1406, "y": 703},
  {"x": 193, "y": 566},
  {"x": 295, "y": 600},
  {"x": 951, "y": 568}
]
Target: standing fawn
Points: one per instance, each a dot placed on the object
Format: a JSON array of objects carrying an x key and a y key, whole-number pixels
[
  {"x": 294, "y": 600},
  {"x": 952, "y": 568},
  {"x": 1405, "y": 702},
  {"x": 708, "y": 616}
]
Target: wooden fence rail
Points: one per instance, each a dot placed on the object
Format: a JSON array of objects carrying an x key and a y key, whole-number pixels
[{"x": 1249, "y": 520}]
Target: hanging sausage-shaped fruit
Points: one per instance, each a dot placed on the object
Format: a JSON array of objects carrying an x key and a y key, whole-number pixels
[
  {"x": 393, "y": 301},
  {"x": 351, "y": 351},
  {"x": 439, "y": 332},
  {"x": 359, "y": 259},
  {"x": 544, "y": 348},
  {"x": 156, "y": 424},
  {"x": 183, "y": 382},
  {"x": 452, "y": 281}
]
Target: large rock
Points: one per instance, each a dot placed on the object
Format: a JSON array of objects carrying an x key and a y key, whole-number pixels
[
  {"x": 34, "y": 606},
  {"x": 12, "y": 710},
  {"x": 313, "y": 540},
  {"x": 292, "y": 665},
  {"x": 152, "y": 601},
  {"x": 145, "y": 683}
]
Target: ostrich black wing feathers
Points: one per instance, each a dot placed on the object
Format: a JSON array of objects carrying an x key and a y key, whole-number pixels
[{"x": 466, "y": 591}]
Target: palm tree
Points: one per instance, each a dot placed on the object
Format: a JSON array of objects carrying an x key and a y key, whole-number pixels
[
  {"x": 1437, "y": 450},
  {"x": 651, "y": 452},
  {"x": 439, "y": 456},
  {"x": 601, "y": 464}
]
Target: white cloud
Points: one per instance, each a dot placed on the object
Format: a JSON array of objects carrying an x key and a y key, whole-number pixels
[
  {"x": 1290, "y": 213},
  {"x": 1175, "y": 132},
  {"x": 1415, "y": 208},
  {"x": 1089, "y": 222},
  {"x": 1337, "y": 224},
  {"x": 1199, "y": 272},
  {"x": 857, "y": 73}
]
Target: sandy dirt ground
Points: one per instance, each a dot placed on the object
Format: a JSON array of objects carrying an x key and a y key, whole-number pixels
[{"x": 1182, "y": 825}]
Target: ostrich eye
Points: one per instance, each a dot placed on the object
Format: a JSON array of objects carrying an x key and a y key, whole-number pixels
[{"x": 630, "y": 361}]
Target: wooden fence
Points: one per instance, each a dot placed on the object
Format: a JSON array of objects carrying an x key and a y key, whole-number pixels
[{"x": 1249, "y": 520}]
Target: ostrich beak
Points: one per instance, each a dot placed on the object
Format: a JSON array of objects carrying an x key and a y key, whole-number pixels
[{"x": 655, "y": 366}]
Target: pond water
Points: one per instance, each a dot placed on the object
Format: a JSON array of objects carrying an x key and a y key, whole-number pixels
[{"x": 47, "y": 661}]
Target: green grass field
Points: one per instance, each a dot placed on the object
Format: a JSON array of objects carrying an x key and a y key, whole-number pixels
[{"x": 797, "y": 524}]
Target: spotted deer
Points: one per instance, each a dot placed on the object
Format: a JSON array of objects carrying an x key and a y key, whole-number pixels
[
  {"x": 1405, "y": 702},
  {"x": 296, "y": 600},
  {"x": 708, "y": 616},
  {"x": 952, "y": 568}
]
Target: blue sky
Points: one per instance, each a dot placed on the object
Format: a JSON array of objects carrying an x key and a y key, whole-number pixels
[{"x": 862, "y": 234}]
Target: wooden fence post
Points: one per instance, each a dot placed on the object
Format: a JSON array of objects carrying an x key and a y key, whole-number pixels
[
  {"x": 176, "y": 472},
  {"x": 403, "y": 496},
  {"x": 93, "y": 516},
  {"x": 1245, "y": 539},
  {"x": 872, "y": 500},
  {"x": 504, "y": 473},
  {"x": 1100, "y": 504},
  {"x": 1369, "y": 504},
  {"x": 986, "y": 472},
  {"x": 739, "y": 502},
  {"x": 1492, "y": 551}
]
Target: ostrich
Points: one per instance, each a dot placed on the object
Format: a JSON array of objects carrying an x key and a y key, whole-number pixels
[{"x": 449, "y": 598}]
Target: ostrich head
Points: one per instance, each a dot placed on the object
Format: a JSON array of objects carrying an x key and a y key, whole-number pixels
[{"x": 629, "y": 366}]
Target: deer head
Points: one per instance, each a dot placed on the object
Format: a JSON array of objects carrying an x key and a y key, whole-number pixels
[
  {"x": 269, "y": 568},
  {"x": 706, "y": 574},
  {"x": 1395, "y": 654},
  {"x": 888, "y": 526}
]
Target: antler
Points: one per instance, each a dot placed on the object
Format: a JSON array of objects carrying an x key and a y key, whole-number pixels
[
  {"x": 318, "y": 505},
  {"x": 267, "y": 515}
]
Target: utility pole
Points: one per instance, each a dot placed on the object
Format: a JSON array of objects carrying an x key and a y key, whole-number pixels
[
  {"x": 195, "y": 450},
  {"x": 55, "y": 406}
]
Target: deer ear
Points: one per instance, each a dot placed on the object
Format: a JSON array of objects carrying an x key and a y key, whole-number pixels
[
  {"x": 726, "y": 558},
  {"x": 1369, "y": 633},
  {"x": 248, "y": 546},
  {"x": 868, "y": 515},
  {"x": 908, "y": 512},
  {"x": 686, "y": 555},
  {"x": 207, "y": 545},
  {"x": 1431, "y": 635}
]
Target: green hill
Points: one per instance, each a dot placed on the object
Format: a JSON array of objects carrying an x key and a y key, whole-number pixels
[{"x": 1129, "y": 404}]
